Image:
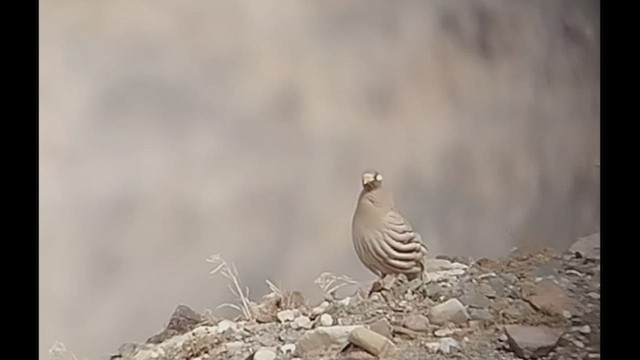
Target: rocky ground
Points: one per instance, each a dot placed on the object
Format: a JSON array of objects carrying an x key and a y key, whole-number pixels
[{"x": 536, "y": 304}]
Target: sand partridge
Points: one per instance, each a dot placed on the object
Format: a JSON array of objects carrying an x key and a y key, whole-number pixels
[{"x": 383, "y": 239}]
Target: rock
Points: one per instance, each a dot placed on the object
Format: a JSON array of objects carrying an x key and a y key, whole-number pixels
[
  {"x": 433, "y": 290},
  {"x": 324, "y": 336},
  {"x": 382, "y": 327},
  {"x": 225, "y": 325},
  {"x": 433, "y": 346},
  {"x": 497, "y": 285},
  {"x": 289, "y": 335},
  {"x": 433, "y": 265},
  {"x": 344, "y": 302},
  {"x": 451, "y": 310},
  {"x": 488, "y": 275},
  {"x": 182, "y": 320},
  {"x": 286, "y": 315},
  {"x": 550, "y": 297},
  {"x": 444, "y": 332},
  {"x": 472, "y": 298},
  {"x": 531, "y": 341},
  {"x": 264, "y": 354},
  {"x": 567, "y": 314},
  {"x": 326, "y": 320},
  {"x": 587, "y": 247},
  {"x": 585, "y": 329},
  {"x": 443, "y": 275},
  {"x": 301, "y": 322},
  {"x": 288, "y": 348},
  {"x": 480, "y": 314},
  {"x": 324, "y": 306},
  {"x": 266, "y": 311},
  {"x": 234, "y": 346},
  {"x": 573, "y": 272},
  {"x": 416, "y": 322},
  {"x": 373, "y": 342},
  {"x": 594, "y": 296},
  {"x": 448, "y": 346}
]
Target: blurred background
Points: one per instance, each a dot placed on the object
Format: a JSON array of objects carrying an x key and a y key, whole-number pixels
[{"x": 171, "y": 131}]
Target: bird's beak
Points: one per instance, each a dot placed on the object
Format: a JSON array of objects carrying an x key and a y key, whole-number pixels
[{"x": 368, "y": 179}]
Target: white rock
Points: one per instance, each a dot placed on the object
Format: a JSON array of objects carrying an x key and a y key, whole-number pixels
[
  {"x": 451, "y": 310},
  {"x": 433, "y": 346},
  {"x": 324, "y": 336},
  {"x": 288, "y": 348},
  {"x": 444, "y": 275},
  {"x": 594, "y": 296},
  {"x": 320, "y": 308},
  {"x": 433, "y": 265},
  {"x": 326, "y": 320},
  {"x": 566, "y": 314},
  {"x": 573, "y": 272},
  {"x": 444, "y": 332},
  {"x": 487, "y": 275},
  {"x": 225, "y": 325},
  {"x": 286, "y": 315},
  {"x": 585, "y": 329},
  {"x": 448, "y": 345},
  {"x": 345, "y": 302},
  {"x": 301, "y": 322},
  {"x": 234, "y": 346},
  {"x": 264, "y": 354}
]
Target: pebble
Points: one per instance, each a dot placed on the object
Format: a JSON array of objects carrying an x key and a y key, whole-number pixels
[
  {"x": 286, "y": 316},
  {"x": 480, "y": 314},
  {"x": 487, "y": 275},
  {"x": 345, "y": 302},
  {"x": 433, "y": 346},
  {"x": 382, "y": 327},
  {"x": 549, "y": 296},
  {"x": 373, "y": 343},
  {"x": 448, "y": 346},
  {"x": 323, "y": 307},
  {"x": 288, "y": 348},
  {"x": 567, "y": 314},
  {"x": 578, "y": 343},
  {"x": 451, "y": 310},
  {"x": 301, "y": 322},
  {"x": 532, "y": 341},
  {"x": 324, "y": 336},
  {"x": 444, "y": 332},
  {"x": 326, "y": 320},
  {"x": 585, "y": 329},
  {"x": 594, "y": 296},
  {"x": 573, "y": 272},
  {"x": 264, "y": 354},
  {"x": 225, "y": 325},
  {"x": 234, "y": 346},
  {"x": 416, "y": 322}
]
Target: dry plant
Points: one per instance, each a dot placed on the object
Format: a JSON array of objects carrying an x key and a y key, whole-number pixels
[
  {"x": 231, "y": 273},
  {"x": 59, "y": 352},
  {"x": 330, "y": 283}
]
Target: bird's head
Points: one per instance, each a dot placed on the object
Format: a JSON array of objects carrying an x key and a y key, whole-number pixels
[{"x": 371, "y": 179}]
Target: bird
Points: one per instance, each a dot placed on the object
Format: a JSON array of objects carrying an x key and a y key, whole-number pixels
[{"x": 384, "y": 240}]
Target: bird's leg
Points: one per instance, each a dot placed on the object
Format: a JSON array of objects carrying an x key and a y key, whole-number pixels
[{"x": 376, "y": 287}]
